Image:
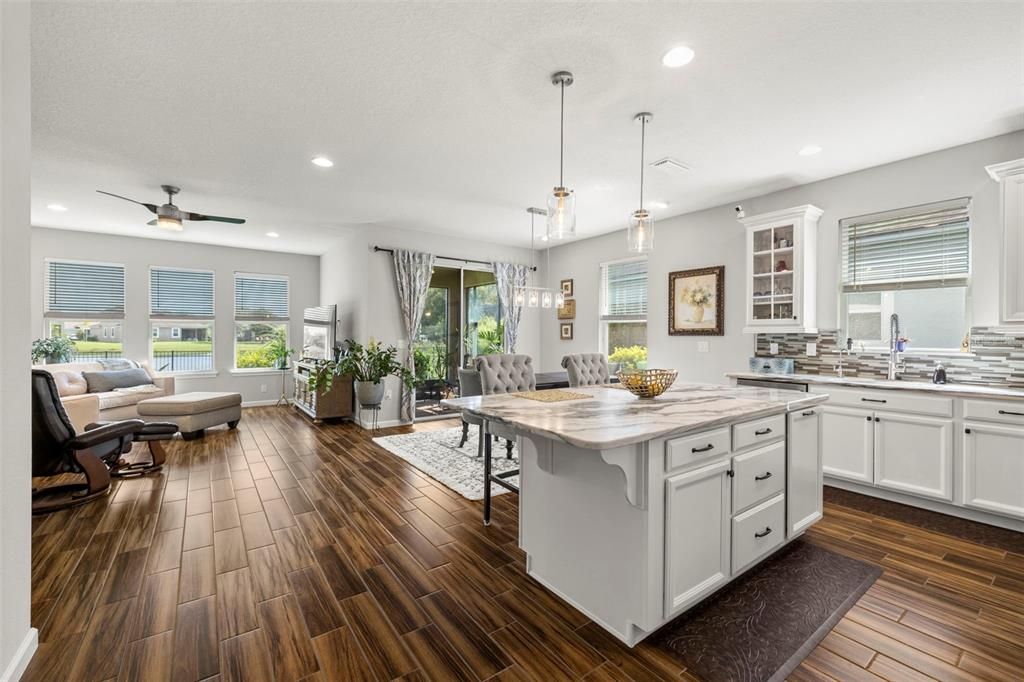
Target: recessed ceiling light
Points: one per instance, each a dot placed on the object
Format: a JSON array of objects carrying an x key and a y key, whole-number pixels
[
  {"x": 322, "y": 161},
  {"x": 273, "y": 235},
  {"x": 658, "y": 204},
  {"x": 809, "y": 150},
  {"x": 678, "y": 56},
  {"x": 57, "y": 207}
]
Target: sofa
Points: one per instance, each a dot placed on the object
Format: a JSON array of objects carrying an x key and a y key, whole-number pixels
[{"x": 84, "y": 407}]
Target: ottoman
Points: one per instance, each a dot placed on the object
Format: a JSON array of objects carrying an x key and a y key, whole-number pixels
[{"x": 193, "y": 412}]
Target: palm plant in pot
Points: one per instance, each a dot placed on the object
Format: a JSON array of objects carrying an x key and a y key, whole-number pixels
[{"x": 368, "y": 366}]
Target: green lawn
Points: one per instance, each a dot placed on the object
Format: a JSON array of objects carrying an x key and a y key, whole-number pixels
[{"x": 97, "y": 346}]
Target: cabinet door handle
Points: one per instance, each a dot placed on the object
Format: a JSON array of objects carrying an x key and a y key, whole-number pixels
[
  {"x": 877, "y": 419},
  {"x": 763, "y": 432},
  {"x": 763, "y": 477},
  {"x": 1012, "y": 414},
  {"x": 709, "y": 446},
  {"x": 767, "y": 531},
  {"x": 874, "y": 400},
  {"x": 967, "y": 431},
  {"x": 869, "y": 418}
]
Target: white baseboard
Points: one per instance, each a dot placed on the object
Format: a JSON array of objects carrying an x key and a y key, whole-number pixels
[
  {"x": 261, "y": 403},
  {"x": 17, "y": 665}
]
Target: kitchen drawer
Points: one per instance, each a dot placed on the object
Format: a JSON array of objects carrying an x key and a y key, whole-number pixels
[
  {"x": 681, "y": 452},
  {"x": 757, "y": 532},
  {"x": 1005, "y": 411},
  {"x": 758, "y": 475},
  {"x": 758, "y": 431},
  {"x": 899, "y": 400}
]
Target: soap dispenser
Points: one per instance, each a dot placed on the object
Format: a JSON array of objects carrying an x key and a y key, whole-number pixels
[{"x": 939, "y": 376}]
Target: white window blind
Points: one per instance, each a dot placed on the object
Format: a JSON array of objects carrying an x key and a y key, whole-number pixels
[
  {"x": 76, "y": 289},
  {"x": 624, "y": 287},
  {"x": 176, "y": 294},
  {"x": 260, "y": 297},
  {"x": 921, "y": 247}
]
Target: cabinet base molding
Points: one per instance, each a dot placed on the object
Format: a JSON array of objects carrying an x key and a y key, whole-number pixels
[{"x": 930, "y": 505}]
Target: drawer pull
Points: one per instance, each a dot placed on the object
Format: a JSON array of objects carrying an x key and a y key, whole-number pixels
[
  {"x": 709, "y": 446},
  {"x": 763, "y": 432},
  {"x": 767, "y": 531},
  {"x": 874, "y": 400},
  {"x": 763, "y": 477},
  {"x": 1012, "y": 414},
  {"x": 808, "y": 413}
]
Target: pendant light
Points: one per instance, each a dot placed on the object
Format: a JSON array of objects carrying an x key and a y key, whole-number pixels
[
  {"x": 561, "y": 201},
  {"x": 640, "y": 231},
  {"x": 529, "y": 295}
]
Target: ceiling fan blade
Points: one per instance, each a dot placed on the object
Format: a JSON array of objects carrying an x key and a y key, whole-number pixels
[
  {"x": 151, "y": 207},
  {"x": 220, "y": 219}
]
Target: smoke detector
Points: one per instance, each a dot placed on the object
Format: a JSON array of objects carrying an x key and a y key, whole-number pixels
[{"x": 670, "y": 166}]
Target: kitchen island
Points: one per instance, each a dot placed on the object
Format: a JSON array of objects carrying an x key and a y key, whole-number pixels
[{"x": 634, "y": 510}]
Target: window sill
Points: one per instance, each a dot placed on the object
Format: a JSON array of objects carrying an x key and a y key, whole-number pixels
[
  {"x": 258, "y": 372},
  {"x": 190, "y": 375}
]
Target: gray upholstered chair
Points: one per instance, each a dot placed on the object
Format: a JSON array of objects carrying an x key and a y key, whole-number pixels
[
  {"x": 469, "y": 385},
  {"x": 587, "y": 369}
]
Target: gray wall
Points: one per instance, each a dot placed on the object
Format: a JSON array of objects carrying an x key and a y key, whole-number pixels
[
  {"x": 139, "y": 254},
  {"x": 362, "y": 284},
  {"x": 714, "y": 237},
  {"x": 17, "y": 641}
]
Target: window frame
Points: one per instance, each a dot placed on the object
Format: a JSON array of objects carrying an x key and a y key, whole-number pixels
[
  {"x": 602, "y": 320},
  {"x": 50, "y": 317},
  {"x": 235, "y": 321},
  {"x": 177, "y": 321}
]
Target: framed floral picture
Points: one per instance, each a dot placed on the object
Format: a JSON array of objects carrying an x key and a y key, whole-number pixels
[
  {"x": 696, "y": 302},
  {"x": 567, "y": 287},
  {"x": 565, "y": 331}
]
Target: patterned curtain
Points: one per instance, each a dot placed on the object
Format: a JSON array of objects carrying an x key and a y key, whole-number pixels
[
  {"x": 412, "y": 275},
  {"x": 510, "y": 277}
]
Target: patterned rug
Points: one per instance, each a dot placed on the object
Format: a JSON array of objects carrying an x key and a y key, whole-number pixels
[{"x": 438, "y": 455}]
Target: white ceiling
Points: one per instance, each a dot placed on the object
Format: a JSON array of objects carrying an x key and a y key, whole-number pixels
[{"x": 442, "y": 118}]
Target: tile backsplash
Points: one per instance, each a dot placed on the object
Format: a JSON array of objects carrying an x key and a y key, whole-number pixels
[{"x": 996, "y": 358}]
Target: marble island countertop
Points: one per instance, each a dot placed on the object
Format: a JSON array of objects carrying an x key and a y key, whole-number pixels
[
  {"x": 961, "y": 390},
  {"x": 613, "y": 417}
]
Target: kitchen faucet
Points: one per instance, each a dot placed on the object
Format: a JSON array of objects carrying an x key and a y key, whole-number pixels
[{"x": 895, "y": 362}]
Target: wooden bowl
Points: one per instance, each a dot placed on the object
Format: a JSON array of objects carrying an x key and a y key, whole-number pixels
[{"x": 647, "y": 383}]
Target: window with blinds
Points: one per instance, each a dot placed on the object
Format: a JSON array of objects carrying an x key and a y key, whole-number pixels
[
  {"x": 79, "y": 289},
  {"x": 176, "y": 294},
  {"x": 922, "y": 247},
  {"x": 624, "y": 290},
  {"x": 261, "y": 297}
]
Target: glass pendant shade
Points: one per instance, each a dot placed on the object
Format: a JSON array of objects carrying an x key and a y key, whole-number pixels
[
  {"x": 559, "y": 299},
  {"x": 561, "y": 214},
  {"x": 533, "y": 298},
  {"x": 640, "y": 231},
  {"x": 546, "y": 298},
  {"x": 519, "y": 298}
]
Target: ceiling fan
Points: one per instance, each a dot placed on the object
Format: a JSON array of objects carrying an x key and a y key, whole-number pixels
[{"x": 169, "y": 216}]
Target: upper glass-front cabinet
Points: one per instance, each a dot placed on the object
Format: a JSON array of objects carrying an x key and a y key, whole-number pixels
[{"x": 781, "y": 276}]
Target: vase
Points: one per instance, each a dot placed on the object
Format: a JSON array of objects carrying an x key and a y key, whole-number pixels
[
  {"x": 55, "y": 359},
  {"x": 698, "y": 314},
  {"x": 369, "y": 393}
]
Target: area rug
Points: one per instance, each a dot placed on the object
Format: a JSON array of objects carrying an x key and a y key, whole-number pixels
[
  {"x": 762, "y": 626},
  {"x": 438, "y": 455}
]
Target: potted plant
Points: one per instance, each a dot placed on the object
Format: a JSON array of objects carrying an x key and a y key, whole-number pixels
[
  {"x": 368, "y": 366},
  {"x": 279, "y": 352},
  {"x": 53, "y": 350}
]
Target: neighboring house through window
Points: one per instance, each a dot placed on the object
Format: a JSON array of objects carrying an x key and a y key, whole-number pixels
[
  {"x": 914, "y": 262},
  {"x": 623, "y": 307},
  {"x": 261, "y": 316},
  {"x": 181, "y": 311},
  {"x": 84, "y": 301}
]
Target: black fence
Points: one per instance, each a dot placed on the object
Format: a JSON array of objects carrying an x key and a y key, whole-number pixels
[{"x": 163, "y": 360}]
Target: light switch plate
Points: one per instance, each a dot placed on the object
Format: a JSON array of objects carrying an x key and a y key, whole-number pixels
[
  {"x": 773, "y": 348},
  {"x": 702, "y": 346},
  {"x": 812, "y": 349}
]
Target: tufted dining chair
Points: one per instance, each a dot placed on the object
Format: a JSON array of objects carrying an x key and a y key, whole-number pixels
[{"x": 587, "y": 369}]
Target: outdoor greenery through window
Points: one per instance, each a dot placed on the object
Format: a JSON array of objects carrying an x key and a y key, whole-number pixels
[
  {"x": 261, "y": 318},
  {"x": 484, "y": 328},
  {"x": 181, "y": 314},
  {"x": 914, "y": 262},
  {"x": 624, "y": 312},
  {"x": 84, "y": 302},
  {"x": 92, "y": 339}
]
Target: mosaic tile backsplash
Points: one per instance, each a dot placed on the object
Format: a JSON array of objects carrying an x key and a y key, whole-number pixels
[{"x": 996, "y": 358}]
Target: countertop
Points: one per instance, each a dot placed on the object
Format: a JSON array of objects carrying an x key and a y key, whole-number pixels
[
  {"x": 952, "y": 390},
  {"x": 613, "y": 416}
]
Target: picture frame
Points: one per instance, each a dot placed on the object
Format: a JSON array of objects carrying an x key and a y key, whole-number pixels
[
  {"x": 565, "y": 331},
  {"x": 567, "y": 287},
  {"x": 567, "y": 311},
  {"x": 696, "y": 302}
]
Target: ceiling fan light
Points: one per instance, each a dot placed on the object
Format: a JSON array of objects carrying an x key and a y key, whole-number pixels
[
  {"x": 561, "y": 214},
  {"x": 640, "y": 231},
  {"x": 170, "y": 224}
]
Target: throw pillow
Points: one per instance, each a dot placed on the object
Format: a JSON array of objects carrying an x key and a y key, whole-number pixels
[{"x": 103, "y": 382}]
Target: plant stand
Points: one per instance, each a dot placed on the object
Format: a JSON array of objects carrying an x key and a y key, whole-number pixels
[{"x": 283, "y": 400}]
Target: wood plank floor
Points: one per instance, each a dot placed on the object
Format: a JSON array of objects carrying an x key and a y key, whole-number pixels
[{"x": 292, "y": 552}]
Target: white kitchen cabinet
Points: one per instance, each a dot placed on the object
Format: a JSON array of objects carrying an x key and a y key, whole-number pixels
[
  {"x": 1010, "y": 176},
  {"x": 697, "y": 534},
  {"x": 847, "y": 443},
  {"x": 914, "y": 454},
  {"x": 803, "y": 471},
  {"x": 993, "y": 468},
  {"x": 781, "y": 288}
]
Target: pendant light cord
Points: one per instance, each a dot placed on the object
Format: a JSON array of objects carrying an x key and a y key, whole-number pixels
[
  {"x": 561, "y": 141},
  {"x": 643, "y": 135}
]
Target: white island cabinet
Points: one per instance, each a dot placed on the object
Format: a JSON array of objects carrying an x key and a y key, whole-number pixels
[{"x": 634, "y": 510}]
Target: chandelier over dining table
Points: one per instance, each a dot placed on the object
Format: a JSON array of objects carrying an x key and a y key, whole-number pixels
[{"x": 530, "y": 295}]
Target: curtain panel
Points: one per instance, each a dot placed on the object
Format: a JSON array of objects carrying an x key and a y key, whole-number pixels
[
  {"x": 509, "y": 277},
  {"x": 412, "y": 276}
]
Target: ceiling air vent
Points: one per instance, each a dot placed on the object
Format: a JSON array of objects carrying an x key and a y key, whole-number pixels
[{"x": 670, "y": 166}]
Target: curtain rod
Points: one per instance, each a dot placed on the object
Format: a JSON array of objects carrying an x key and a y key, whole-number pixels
[{"x": 464, "y": 260}]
